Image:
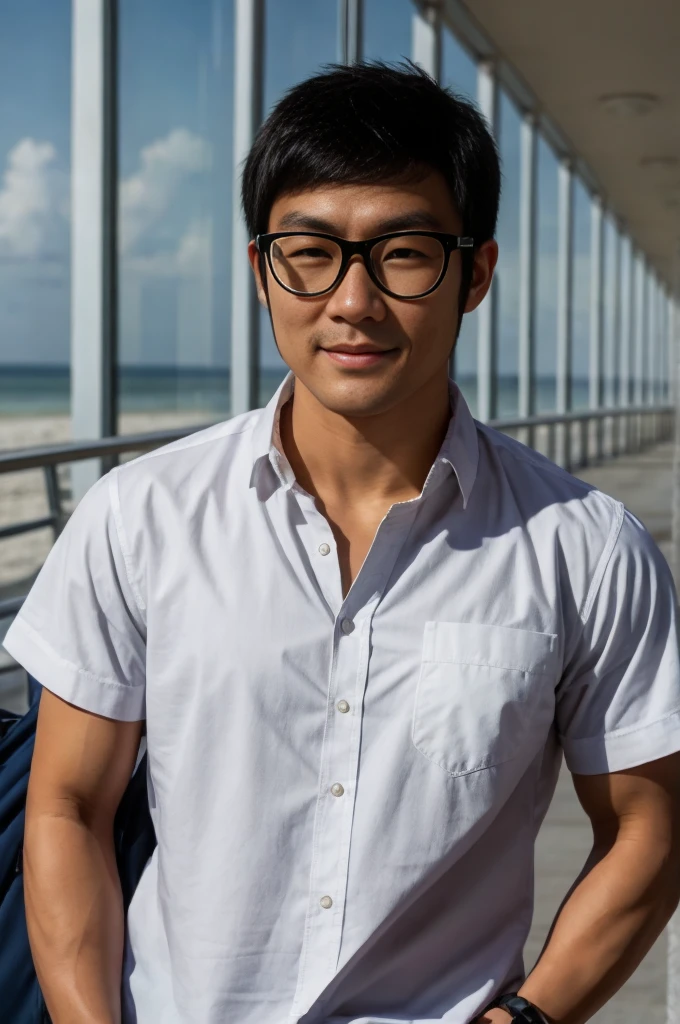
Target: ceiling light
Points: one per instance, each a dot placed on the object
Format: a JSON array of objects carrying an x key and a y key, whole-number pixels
[{"x": 629, "y": 104}]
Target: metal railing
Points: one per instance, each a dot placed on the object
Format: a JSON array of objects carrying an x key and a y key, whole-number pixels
[{"x": 574, "y": 439}]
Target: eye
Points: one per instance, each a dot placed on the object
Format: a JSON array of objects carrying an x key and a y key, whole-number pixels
[
  {"x": 311, "y": 253},
  {"x": 405, "y": 254}
]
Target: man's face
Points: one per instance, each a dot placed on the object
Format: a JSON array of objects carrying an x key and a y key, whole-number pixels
[{"x": 359, "y": 351}]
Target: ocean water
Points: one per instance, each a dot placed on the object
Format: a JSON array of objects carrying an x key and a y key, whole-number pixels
[{"x": 44, "y": 390}]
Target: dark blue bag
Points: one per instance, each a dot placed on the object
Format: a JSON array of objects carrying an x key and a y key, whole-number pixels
[{"x": 20, "y": 996}]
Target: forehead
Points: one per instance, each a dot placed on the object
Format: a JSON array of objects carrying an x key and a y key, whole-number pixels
[{"x": 362, "y": 210}]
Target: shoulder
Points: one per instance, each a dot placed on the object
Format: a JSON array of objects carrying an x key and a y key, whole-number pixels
[
  {"x": 572, "y": 526},
  {"x": 224, "y": 438},
  {"x": 198, "y": 457},
  {"x": 536, "y": 483}
]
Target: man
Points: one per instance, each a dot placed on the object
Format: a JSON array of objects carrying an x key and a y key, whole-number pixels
[{"x": 360, "y": 628}]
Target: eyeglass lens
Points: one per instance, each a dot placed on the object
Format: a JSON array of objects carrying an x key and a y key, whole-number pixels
[{"x": 406, "y": 266}]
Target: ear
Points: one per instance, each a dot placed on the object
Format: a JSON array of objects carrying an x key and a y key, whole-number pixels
[
  {"x": 255, "y": 263},
  {"x": 484, "y": 265}
]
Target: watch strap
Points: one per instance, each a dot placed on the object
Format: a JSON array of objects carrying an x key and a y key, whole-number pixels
[{"x": 520, "y": 1009}]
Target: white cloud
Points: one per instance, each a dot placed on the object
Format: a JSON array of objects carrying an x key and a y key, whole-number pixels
[
  {"x": 33, "y": 207},
  {"x": 147, "y": 194}
]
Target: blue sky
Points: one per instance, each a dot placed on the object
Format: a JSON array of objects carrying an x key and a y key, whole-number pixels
[{"x": 175, "y": 175}]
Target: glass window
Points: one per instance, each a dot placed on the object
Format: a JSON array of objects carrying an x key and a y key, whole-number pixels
[
  {"x": 580, "y": 349},
  {"x": 459, "y": 70},
  {"x": 387, "y": 29},
  {"x": 507, "y": 271},
  {"x": 175, "y": 109},
  {"x": 545, "y": 366},
  {"x": 300, "y": 37},
  {"x": 459, "y": 73},
  {"x": 35, "y": 141}
]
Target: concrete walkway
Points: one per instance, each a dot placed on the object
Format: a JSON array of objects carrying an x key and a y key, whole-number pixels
[{"x": 644, "y": 484}]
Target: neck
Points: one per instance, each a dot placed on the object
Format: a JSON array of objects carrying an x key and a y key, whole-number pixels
[{"x": 385, "y": 456}]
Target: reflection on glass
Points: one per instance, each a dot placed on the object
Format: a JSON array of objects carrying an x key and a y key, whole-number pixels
[
  {"x": 507, "y": 270},
  {"x": 580, "y": 350},
  {"x": 545, "y": 365},
  {"x": 35, "y": 141},
  {"x": 175, "y": 109},
  {"x": 387, "y": 29},
  {"x": 459, "y": 73},
  {"x": 300, "y": 37}
]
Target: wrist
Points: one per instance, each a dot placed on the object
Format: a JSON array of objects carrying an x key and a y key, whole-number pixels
[{"x": 495, "y": 1016}]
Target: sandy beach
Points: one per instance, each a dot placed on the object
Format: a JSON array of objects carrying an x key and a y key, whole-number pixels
[{"x": 23, "y": 496}]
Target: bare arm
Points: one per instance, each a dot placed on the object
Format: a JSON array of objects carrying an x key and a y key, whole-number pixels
[
  {"x": 81, "y": 766},
  {"x": 623, "y": 898}
]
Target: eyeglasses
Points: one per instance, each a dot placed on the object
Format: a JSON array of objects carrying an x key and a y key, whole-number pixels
[{"x": 405, "y": 265}]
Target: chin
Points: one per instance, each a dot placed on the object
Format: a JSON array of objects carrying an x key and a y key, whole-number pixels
[{"x": 358, "y": 398}]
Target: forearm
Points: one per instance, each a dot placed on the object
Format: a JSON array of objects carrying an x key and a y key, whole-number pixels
[
  {"x": 608, "y": 923},
  {"x": 75, "y": 917}
]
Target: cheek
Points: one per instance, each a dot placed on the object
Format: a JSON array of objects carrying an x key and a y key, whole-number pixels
[{"x": 294, "y": 319}]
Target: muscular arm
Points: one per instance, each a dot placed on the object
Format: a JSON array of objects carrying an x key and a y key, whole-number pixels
[
  {"x": 81, "y": 766},
  {"x": 623, "y": 898}
]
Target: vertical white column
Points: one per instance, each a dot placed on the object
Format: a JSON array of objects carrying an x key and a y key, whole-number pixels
[
  {"x": 426, "y": 39},
  {"x": 614, "y": 321},
  {"x": 639, "y": 336},
  {"x": 661, "y": 349},
  {"x": 248, "y": 74},
  {"x": 669, "y": 368},
  {"x": 565, "y": 289},
  {"x": 93, "y": 230},
  {"x": 596, "y": 351},
  {"x": 527, "y": 264},
  {"x": 627, "y": 299},
  {"x": 351, "y": 30},
  {"x": 487, "y": 341},
  {"x": 651, "y": 334}
]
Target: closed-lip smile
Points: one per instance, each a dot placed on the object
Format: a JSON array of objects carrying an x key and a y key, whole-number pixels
[{"x": 357, "y": 357}]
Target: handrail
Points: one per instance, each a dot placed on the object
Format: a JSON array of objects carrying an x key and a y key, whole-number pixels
[
  {"x": 556, "y": 418},
  {"x": 75, "y": 451}
]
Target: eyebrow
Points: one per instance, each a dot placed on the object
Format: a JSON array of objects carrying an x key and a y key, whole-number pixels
[{"x": 297, "y": 219}]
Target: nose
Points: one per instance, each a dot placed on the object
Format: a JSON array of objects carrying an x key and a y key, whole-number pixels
[{"x": 356, "y": 298}]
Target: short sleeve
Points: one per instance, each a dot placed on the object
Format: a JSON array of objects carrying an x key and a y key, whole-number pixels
[
  {"x": 618, "y": 704},
  {"x": 81, "y": 631}
]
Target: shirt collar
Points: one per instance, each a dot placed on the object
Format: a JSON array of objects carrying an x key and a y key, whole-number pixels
[{"x": 459, "y": 449}]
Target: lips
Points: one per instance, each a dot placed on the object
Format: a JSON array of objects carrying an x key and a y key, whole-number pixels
[{"x": 358, "y": 357}]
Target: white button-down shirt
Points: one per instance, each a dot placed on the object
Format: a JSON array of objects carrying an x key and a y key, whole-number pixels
[{"x": 346, "y": 792}]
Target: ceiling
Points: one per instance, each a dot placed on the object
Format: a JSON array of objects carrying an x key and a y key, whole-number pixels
[{"x": 570, "y": 53}]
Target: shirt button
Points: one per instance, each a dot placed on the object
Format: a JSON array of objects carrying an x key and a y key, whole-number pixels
[
  {"x": 337, "y": 789},
  {"x": 347, "y": 626},
  {"x": 326, "y": 902},
  {"x": 324, "y": 549},
  {"x": 343, "y": 706}
]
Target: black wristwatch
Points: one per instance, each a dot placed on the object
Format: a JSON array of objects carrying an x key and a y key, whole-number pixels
[{"x": 520, "y": 1009}]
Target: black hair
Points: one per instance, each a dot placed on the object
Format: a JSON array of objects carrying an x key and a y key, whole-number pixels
[
  {"x": 369, "y": 123},
  {"x": 366, "y": 123}
]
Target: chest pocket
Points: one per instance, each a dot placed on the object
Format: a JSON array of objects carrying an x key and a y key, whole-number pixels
[{"x": 484, "y": 694}]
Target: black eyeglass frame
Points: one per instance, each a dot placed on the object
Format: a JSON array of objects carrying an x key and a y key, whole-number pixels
[{"x": 348, "y": 249}]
